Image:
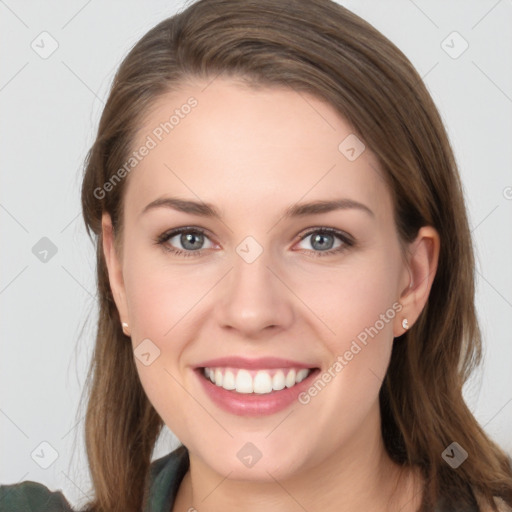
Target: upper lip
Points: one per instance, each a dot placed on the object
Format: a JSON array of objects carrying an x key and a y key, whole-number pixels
[{"x": 261, "y": 362}]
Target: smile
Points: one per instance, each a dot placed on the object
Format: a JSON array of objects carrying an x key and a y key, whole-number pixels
[
  {"x": 254, "y": 391},
  {"x": 260, "y": 382}
]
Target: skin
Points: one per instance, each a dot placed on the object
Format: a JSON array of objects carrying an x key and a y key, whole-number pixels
[{"x": 253, "y": 153}]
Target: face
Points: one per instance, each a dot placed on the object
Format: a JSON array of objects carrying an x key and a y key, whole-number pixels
[{"x": 313, "y": 290}]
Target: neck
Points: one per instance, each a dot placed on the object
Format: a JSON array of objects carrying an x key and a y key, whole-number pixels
[{"x": 357, "y": 476}]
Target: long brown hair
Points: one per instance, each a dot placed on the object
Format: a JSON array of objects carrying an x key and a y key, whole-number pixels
[{"x": 319, "y": 47}]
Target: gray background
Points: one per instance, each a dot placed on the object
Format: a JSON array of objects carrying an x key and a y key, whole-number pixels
[{"x": 50, "y": 110}]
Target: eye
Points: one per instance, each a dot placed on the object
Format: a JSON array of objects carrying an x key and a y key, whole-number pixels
[
  {"x": 323, "y": 241},
  {"x": 190, "y": 239}
]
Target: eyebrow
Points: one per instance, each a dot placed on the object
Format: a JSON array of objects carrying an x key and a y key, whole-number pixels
[{"x": 296, "y": 210}]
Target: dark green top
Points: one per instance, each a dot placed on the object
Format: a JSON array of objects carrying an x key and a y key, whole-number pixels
[{"x": 166, "y": 475}]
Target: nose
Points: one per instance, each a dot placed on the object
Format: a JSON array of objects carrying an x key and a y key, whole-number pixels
[{"x": 253, "y": 297}]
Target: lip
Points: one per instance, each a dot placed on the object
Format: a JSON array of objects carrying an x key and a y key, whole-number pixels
[
  {"x": 253, "y": 405},
  {"x": 261, "y": 363}
]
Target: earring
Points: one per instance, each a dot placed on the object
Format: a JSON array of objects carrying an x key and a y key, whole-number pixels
[
  {"x": 125, "y": 328},
  {"x": 405, "y": 324}
]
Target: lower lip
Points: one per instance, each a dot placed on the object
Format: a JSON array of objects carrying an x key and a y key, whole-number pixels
[{"x": 253, "y": 404}]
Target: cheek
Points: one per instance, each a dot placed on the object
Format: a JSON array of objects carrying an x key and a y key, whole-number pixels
[
  {"x": 164, "y": 302},
  {"x": 160, "y": 297},
  {"x": 352, "y": 298},
  {"x": 160, "y": 304},
  {"x": 360, "y": 305}
]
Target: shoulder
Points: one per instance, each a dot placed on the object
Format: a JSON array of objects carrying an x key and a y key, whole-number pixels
[
  {"x": 31, "y": 496},
  {"x": 502, "y": 506},
  {"x": 485, "y": 507},
  {"x": 166, "y": 475}
]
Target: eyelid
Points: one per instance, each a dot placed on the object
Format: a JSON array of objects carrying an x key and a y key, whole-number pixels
[
  {"x": 171, "y": 233},
  {"x": 347, "y": 240},
  {"x": 331, "y": 231}
]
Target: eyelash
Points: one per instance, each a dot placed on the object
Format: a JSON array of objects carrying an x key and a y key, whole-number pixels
[{"x": 347, "y": 241}]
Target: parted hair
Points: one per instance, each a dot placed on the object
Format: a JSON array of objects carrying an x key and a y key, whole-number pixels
[{"x": 322, "y": 48}]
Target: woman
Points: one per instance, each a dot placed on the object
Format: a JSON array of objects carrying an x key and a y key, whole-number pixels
[{"x": 285, "y": 276}]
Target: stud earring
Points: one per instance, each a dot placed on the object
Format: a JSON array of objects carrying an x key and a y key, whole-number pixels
[
  {"x": 405, "y": 323},
  {"x": 125, "y": 328}
]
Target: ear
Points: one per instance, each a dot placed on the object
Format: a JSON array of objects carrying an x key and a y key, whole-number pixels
[
  {"x": 418, "y": 276},
  {"x": 114, "y": 267}
]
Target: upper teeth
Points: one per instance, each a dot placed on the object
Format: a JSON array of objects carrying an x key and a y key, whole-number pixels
[{"x": 259, "y": 381}]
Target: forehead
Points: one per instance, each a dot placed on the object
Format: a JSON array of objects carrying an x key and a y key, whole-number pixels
[{"x": 233, "y": 145}]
